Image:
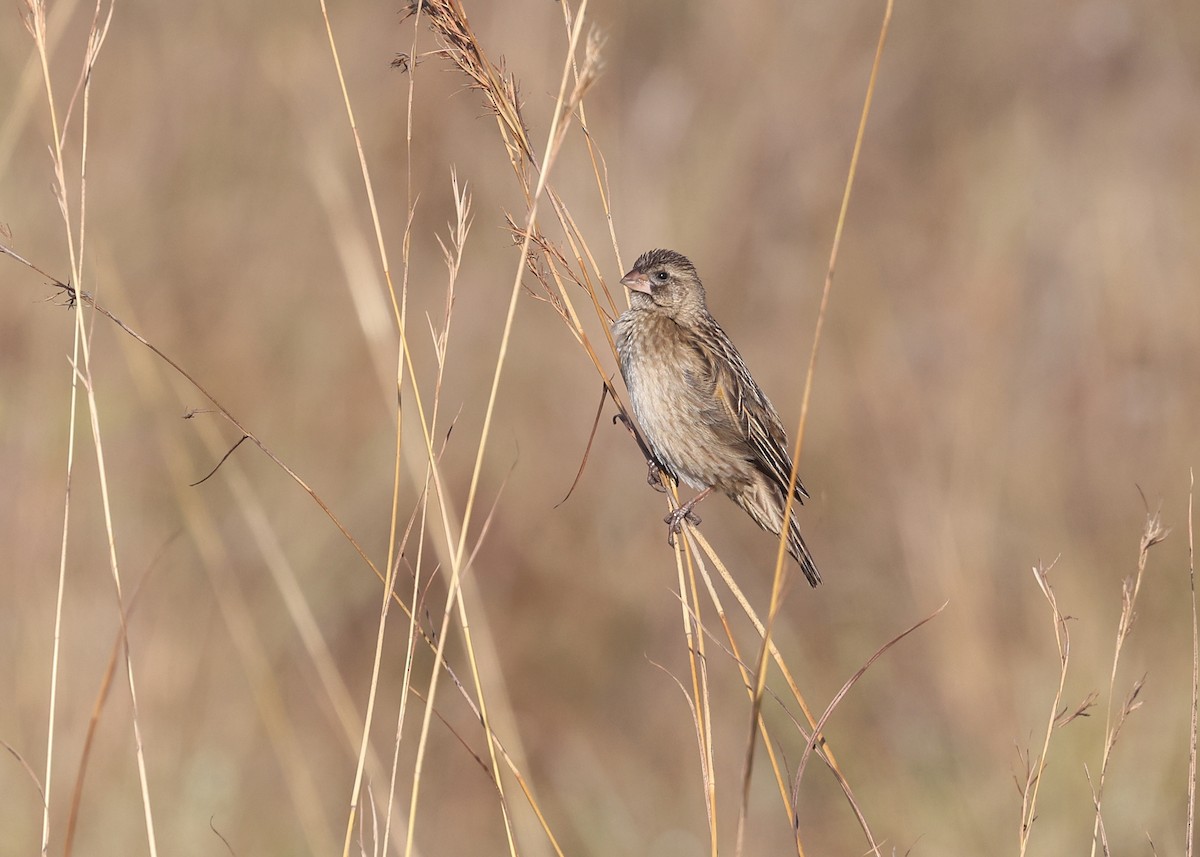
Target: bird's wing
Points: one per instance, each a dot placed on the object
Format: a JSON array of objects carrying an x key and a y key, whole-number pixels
[{"x": 744, "y": 403}]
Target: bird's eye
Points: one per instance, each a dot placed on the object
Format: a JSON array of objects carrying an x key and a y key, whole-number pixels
[{"x": 662, "y": 276}]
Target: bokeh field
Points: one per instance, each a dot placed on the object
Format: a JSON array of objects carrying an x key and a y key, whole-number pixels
[{"x": 1008, "y": 378}]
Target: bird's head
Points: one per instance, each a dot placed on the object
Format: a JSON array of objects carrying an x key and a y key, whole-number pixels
[{"x": 665, "y": 280}]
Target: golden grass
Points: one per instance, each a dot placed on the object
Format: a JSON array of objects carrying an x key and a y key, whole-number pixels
[{"x": 526, "y": 633}]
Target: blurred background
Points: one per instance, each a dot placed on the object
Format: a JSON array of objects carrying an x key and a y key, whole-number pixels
[{"x": 1009, "y": 375}]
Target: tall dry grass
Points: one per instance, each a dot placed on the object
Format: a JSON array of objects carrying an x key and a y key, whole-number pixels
[{"x": 400, "y": 291}]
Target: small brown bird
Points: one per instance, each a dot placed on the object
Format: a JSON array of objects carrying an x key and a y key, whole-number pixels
[{"x": 706, "y": 420}]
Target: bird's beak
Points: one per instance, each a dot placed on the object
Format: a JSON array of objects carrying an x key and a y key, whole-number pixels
[{"x": 636, "y": 281}]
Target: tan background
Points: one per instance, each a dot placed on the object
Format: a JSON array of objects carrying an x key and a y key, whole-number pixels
[{"x": 1010, "y": 353}]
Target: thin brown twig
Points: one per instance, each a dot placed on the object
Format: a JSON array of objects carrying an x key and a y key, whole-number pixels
[
  {"x": 693, "y": 624},
  {"x": 1153, "y": 533},
  {"x": 32, "y": 774},
  {"x": 1099, "y": 815},
  {"x": 1190, "y": 825},
  {"x": 587, "y": 449},
  {"x": 102, "y": 698},
  {"x": 224, "y": 457},
  {"x": 389, "y": 577},
  {"x": 703, "y": 736},
  {"x": 1034, "y": 769},
  {"x": 841, "y": 694}
]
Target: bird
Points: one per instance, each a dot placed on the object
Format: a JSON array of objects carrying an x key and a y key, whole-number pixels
[{"x": 705, "y": 419}]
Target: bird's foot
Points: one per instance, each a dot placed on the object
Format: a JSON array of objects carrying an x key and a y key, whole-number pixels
[
  {"x": 674, "y": 521},
  {"x": 654, "y": 476}
]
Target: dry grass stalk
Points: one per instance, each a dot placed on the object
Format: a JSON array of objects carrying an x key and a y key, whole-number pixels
[
  {"x": 1035, "y": 766},
  {"x": 1190, "y": 825},
  {"x": 1153, "y": 533}
]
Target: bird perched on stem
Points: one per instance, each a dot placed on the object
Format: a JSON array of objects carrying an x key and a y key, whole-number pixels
[{"x": 705, "y": 419}]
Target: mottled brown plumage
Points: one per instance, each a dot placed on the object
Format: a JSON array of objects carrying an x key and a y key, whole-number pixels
[{"x": 706, "y": 420}]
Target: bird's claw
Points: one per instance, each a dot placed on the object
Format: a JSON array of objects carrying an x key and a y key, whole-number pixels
[
  {"x": 654, "y": 476},
  {"x": 674, "y": 522}
]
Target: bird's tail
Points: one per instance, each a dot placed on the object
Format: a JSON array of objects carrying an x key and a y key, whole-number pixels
[
  {"x": 799, "y": 551},
  {"x": 764, "y": 503}
]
